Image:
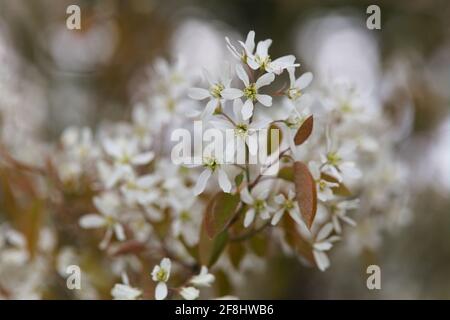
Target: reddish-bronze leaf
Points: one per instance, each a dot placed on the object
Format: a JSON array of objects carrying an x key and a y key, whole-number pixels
[
  {"x": 295, "y": 240},
  {"x": 341, "y": 189},
  {"x": 304, "y": 131},
  {"x": 305, "y": 189},
  {"x": 130, "y": 246},
  {"x": 218, "y": 212}
]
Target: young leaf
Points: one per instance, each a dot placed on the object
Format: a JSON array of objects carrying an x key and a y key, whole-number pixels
[
  {"x": 218, "y": 212},
  {"x": 209, "y": 250},
  {"x": 236, "y": 252},
  {"x": 305, "y": 189},
  {"x": 295, "y": 240},
  {"x": 304, "y": 131},
  {"x": 127, "y": 247},
  {"x": 286, "y": 173},
  {"x": 341, "y": 189}
]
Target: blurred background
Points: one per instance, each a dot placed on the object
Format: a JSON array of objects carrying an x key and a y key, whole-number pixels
[{"x": 52, "y": 77}]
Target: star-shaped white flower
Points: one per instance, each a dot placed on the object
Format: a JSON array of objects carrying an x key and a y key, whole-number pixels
[
  {"x": 287, "y": 204},
  {"x": 108, "y": 204},
  {"x": 250, "y": 92},
  {"x": 211, "y": 166},
  {"x": 248, "y": 46},
  {"x": 161, "y": 274},
  {"x": 322, "y": 243},
  {"x": 324, "y": 187},
  {"x": 125, "y": 154},
  {"x": 262, "y": 60},
  {"x": 257, "y": 202},
  {"x": 336, "y": 161},
  {"x": 214, "y": 92},
  {"x": 245, "y": 132}
]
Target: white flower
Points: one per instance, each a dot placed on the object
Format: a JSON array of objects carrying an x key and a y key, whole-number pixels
[
  {"x": 212, "y": 166},
  {"x": 324, "y": 191},
  {"x": 203, "y": 279},
  {"x": 250, "y": 92},
  {"x": 108, "y": 204},
  {"x": 295, "y": 91},
  {"x": 79, "y": 143},
  {"x": 339, "y": 212},
  {"x": 187, "y": 220},
  {"x": 257, "y": 202},
  {"x": 262, "y": 60},
  {"x": 214, "y": 93},
  {"x": 248, "y": 46},
  {"x": 288, "y": 205},
  {"x": 323, "y": 242},
  {"x": 125, "y": 292},
  {"x": 140, "y": 190},
  {"x": 246, "y": 132},
  {"x": 189, "y": 293},
  {"x": 142, "y": 125},
  {"x": 125, "y": 153},
  {"x": 161, "y": 274},
  {"x": 335, "y": 162}
]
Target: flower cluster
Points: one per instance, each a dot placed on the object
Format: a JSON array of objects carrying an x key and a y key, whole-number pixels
[{"x": 166, "y": 229}]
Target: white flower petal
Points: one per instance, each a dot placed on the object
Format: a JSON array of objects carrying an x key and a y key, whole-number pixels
[
  {"x": 189, "y": 293},
  {"x": 262, "y": 48},
  {"x": 224, "y": 182},
  {"x": 231, "y": 93},
  {"x": 242, "y": 75},
  {"x": 166, "y": 264},
  {"x": 322, "y": 260},
  {"x": 161, "y": 291},
  {"x": 325, "y": 231},
  {"x": 143, "y": 158},
  {"x": 246, "y": 197},
  {"x": 265, "y": 80},
  {"x": 198, "y": 93},
  {"x": 304, "y": 80},
  {"x": 249, "y": 217},
  {"x": 201, "y": 182},
  {"x": 252, "y": 63},
  {"x": 277, "y": 217},
  {"x": 322, "y": 246},
  {"x": 119, "y": 232},
  {"x": 264, "y": 99},
  {"x": 125, "y": 292},
  {"x": 209, "y": 109},
  {"x": 252, "y": 143},
  {"x": 92, "y": 221}
]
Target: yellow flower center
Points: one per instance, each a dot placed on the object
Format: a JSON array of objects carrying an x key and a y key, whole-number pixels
[
  {"x": 333, "y": 158},
  {"x": 241, "y": 130},
  {"x": 294, "y": 93},
  {"x": 216, "y": 90},
  {"x": 211, "y": 163},
  {"x": 161, "y": 275},
  {"x": 251, "y": 91}
]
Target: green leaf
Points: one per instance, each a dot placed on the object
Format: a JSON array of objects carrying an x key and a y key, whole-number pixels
[
  {"x": 238, "y": 179},
  {"x": 218, "y": 212},
  {"x": 222, "y": 283},
  {"x": 259, "y": 244},
  {"x": 236, "y": 252},
  {"x": 286, "y": 173},
  {"x": 209, "y": 250}
]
